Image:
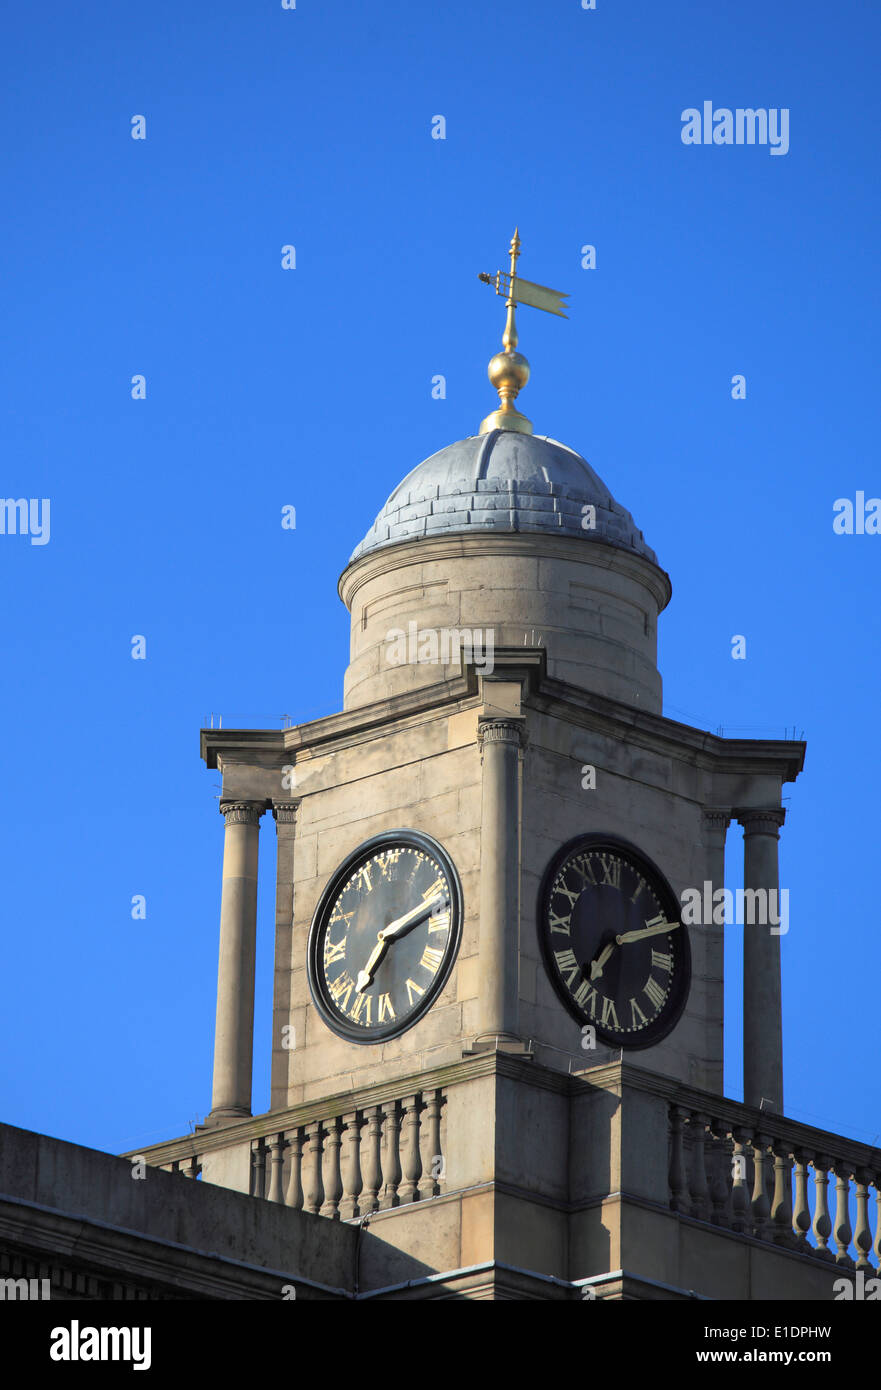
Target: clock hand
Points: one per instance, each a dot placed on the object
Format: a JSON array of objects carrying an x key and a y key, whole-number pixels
[
  {"x": 401, "y": 924},
  {"x": 376, "y": 955},
  {"x": 646, "y": 931},
  {"x": 597, "y": 966},
  {"x": 399, "y": 927}
]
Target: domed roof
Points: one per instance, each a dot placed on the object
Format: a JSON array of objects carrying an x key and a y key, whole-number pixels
[{"x": 503, "y": 481}]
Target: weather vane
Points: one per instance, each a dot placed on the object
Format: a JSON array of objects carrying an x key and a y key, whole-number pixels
[{"x": 509, "y": 370}]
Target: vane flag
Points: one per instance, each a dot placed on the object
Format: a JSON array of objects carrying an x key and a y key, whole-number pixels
[
  {"x": 509, "y": 370},
  {"x": 527, "y": 292}
]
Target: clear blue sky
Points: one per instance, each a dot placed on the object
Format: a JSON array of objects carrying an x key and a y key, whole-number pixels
[{"x": 313, "y": 388}]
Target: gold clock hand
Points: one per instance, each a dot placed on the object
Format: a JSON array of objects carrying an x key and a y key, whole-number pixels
[
  {"x": 400, "y": 925},
  {"x": 597, "y": 966},
  {"x": 640, "y": 935},
  {"x": 391, "y": 933},
  {"x": 376, "y": 955}
]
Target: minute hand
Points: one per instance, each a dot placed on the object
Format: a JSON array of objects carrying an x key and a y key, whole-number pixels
[
  {"x": 628, "y": 936},
  {"x": 409, "y": 919}
]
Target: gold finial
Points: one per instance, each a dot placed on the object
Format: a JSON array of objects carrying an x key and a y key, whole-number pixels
[{"x": 509, "y": 370}]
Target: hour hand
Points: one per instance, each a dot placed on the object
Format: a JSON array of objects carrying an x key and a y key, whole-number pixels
[
  {"x": 597, "y": 966},
  {"x": 376, "y": 955}
]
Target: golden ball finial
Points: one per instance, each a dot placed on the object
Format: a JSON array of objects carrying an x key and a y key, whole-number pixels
[{"x": 508, "y": 372}]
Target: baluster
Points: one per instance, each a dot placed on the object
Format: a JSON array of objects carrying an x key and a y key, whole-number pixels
[
  {"x": 843, "y": 1232},
  {"x": 822, "y": 1223},
  {"x": 333, "y": 1183},
  {"x": 352, "y": 1181},
  {"x": 189, "y": 1167},
  {"x": 313, "y": 1193},
  {"x": 801, "y": 1212},
  {"x": 877, "y": 1246},
  {"x": 700, "y": 1192},
  {"x": 740, "y": 1208},
  {"x": 862, "y": 1236},
  {"x": 371, "y": 1161},
  {"x": 412, "y": 1162},
  {"x": 761, "y": 1207},
  {"x": 391, "y": 1158},
  {"x": 676, "y": 1176},
  {"x": 781, "y": 1206},
  {"x": 294, "y": 1196},
  {"x": 720, "y": 1168},
  {"x": 433, "y": 1160},
  {"x": 276, "y": 1187},
  {"x": 258, "y": 1168}
]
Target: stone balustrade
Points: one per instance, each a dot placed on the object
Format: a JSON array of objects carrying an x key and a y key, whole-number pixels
[
  {"x": 771, "y": 1181},
  {"x": 347, "y": 1165},
  {"x": 614, "y": 1136}
]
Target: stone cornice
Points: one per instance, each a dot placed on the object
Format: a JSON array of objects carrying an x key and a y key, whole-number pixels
[
  {"x": 653, "y": 732},
  {"x": 587, "y": 551}
]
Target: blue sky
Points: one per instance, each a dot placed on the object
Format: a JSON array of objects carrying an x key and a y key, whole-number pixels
[{"x": 312, "y": 388}]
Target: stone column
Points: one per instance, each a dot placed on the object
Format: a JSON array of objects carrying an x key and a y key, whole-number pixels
[
  {"x": 762, "y": 1012},
  {"x": 711, "y": 941},
  {"x": 284, "y": 1044},
  {"x": 234, "y": 1033},
  {"x": 499, "y": 938}
]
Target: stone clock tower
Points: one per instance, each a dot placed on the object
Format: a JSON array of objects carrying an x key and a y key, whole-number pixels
[{"x": 496, "y": 1043}]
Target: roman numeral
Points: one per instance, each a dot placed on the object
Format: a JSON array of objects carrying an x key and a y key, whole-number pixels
[
  {"x": 566, "y": 962},
  {"x": 387, "y": 861},
  {"x": 341, "y": 988},
  {"x": 431, "y": 959},
  {"x": 609, "y": 1014},
  {"x": 438, "y": 921},
  {"x": 385, "y": 1008},
  {"x": 364, "y": 873},
  {"x": 581, "y": 865},
  {"x": 585, "y": 997},
  {"x": 560, "y": 887},
  {"x": 413, "y": 990},
  {"x": 662, "y": 961},
  {"x": 611, "y": 868},
  {"x": 437, "y": 887},
  {"x": 559, "y": 924},
  {"x": 333, "y": 950},
  {"x": 659, "y": 921},
  {"x": 654, "y": 992},
  {"x": 639, "y": 888},
  {"x": 637, "y": 1017},
  {"x": 359, "y": 1007}
]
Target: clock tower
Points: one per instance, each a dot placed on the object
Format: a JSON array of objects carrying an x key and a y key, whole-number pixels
[{"x": 497, "y": 1039}]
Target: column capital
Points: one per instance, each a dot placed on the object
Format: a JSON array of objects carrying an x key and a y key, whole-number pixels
[
  {"x": 242, "y": 812},
  {"x": 765, "y": 820},
  {"x": 285, "y": 812},
  {"x": 500, "y": 731}
]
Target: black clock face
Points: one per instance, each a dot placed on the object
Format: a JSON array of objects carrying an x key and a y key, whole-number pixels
[
  {"x": 384, "y": 936},
  {"x": 613, "y": 942}
]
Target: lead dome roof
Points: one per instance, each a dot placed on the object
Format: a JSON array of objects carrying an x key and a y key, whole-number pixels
[{"x": 503, "y": 482}]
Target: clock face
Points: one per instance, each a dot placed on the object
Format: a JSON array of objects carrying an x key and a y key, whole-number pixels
[
  {"x": 613, "y": 943},
  {"x": 384, "y": 936}
]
